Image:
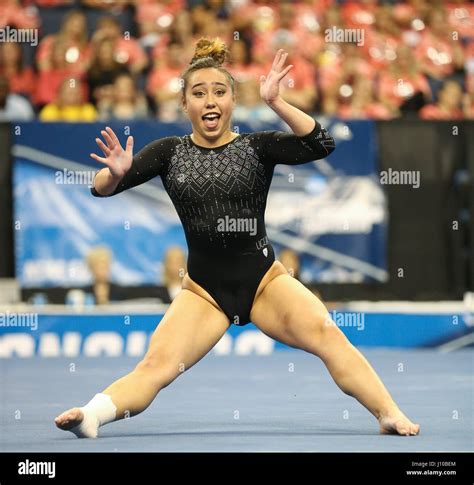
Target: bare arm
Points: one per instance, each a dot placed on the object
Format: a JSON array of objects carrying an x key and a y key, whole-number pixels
[
  {"x": 309, "y": 140},
  {"x": 104, "y": 182},
  {"x": 300, "y": 123}
]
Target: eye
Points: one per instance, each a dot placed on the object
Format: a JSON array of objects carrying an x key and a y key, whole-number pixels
[
  {"x": 221, "y": 91},
  {"x": 198, "y": 93}
]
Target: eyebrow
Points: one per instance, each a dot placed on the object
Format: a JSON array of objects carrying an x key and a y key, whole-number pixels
[{"x": 199, "y": 84}]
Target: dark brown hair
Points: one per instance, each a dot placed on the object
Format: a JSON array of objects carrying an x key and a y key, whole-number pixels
[{"x": 208, "y": 53}]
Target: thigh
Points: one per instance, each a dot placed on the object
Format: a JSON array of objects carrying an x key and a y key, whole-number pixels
[
  {"x": 188, "y": 331},
  {"x": 288, "y": 312}
]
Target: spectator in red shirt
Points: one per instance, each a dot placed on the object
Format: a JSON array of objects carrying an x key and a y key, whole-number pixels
[
  {"x": 461, "y": 17},
  {"x": 329, "y": 61},
  {"x": 215, "y": 27},
  {"x": 127, "y": 49},
  {"x": 164, "y": 83},
  {"x": 381, "y": 42},
  {"x": 13, "y": 14},
  {"x": 307, "y": 44},
  {"x": 354, "y": 64},
  {"x": 73, "y": 36},
  {"x": 330, "y": 69},
  {"x": 181, "y": 31},
  {"x": 359, "y": 14},
  {"x": 104, "y": 69},
  {"x": 448, "y": 106},
  {"x": 21, "y": 78},
  {"x": 254, "y": 17},
  {"x": 362, "y": 104},
  {"x": 440, "y": 54},
  {"x": 241, "y": 65},
  {"x": 402, "y": 80},
  {"x": 56, "y": 68},
  {"x": 155, "y": 18}
]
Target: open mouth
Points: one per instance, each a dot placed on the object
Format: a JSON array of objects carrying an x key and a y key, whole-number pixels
[{"x": 211, "y": 120}]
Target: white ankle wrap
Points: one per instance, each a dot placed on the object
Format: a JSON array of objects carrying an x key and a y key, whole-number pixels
[{"x": 98, "y": 411}]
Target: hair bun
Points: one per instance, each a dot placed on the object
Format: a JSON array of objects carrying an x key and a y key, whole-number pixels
[{"x": 213, "y": 48}]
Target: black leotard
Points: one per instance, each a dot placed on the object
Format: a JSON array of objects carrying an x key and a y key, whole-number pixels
[{"x": 220, "y": 195}]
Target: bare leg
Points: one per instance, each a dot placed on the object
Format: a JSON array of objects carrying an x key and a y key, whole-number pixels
[
  {"x": 188, "y": 331},
  {"x": 287, "y": 311}
]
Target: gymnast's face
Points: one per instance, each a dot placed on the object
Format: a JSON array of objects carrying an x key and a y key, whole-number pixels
[{"x": 209, "y": 103}]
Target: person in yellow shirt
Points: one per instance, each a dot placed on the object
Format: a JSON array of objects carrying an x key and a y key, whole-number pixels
[{"x": 69, "y": 105}]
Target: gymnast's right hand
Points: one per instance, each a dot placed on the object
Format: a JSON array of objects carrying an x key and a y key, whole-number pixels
[{"x": 116, "y": 158}]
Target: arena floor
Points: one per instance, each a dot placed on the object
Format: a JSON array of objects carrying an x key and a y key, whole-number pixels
[{"x": 283, "y": 402}]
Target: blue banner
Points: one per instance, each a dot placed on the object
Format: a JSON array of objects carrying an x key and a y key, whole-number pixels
[
  {"x": 91, "y": 334},
  {"x": 333, "y": 214}
]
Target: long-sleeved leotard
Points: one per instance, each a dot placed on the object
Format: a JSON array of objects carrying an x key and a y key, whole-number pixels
[{"x": 220, "y": 196}]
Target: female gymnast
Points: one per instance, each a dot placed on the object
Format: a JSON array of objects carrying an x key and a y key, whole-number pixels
[{"x": 213, "y": 175}]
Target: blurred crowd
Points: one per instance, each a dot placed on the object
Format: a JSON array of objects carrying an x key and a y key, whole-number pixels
[{"x": 122, "y": 59}]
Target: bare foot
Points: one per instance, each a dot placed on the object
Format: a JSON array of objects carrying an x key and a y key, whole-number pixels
[
  {"x": 69, "y": 419},
  {"x": 398, "y": 423}
]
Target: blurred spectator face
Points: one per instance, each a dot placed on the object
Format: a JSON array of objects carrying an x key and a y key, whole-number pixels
[
  {"x": 75, "y": 24},
  {"x": 105, "y": 94},
  {"x": 174, "y": 55},
  {"x": 70, "y": 93},
  {"x": 100, "y": 268},
  {"x": 201, "y": 19},
  {"x": 124, "y": 89},
  {"x": 238, "y": 52},
  {"x": 99, "y": 261},
  {"x": 248, "y": 93},
  {"x": 183, "y": 23},
  {"x": 332, "y": 16},
  {"x": 451, "y": 95},
  {"x": 383, "y": 19},
  {"x": 109, "y": 27},
  {"x": 330, "y": 105},
  {"x": 216, "y": 27},
  {"x": 437, "y": 22},
  {"x": 208, "y": 97},
  {"x": 10, "y": 53},
  {"x": 175, "y": 262},
  {"x": 405, "y": 59},
  {"x": 105, "y": 53}
]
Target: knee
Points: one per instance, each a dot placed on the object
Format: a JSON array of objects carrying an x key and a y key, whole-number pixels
[
  {"x": 325, "y": 335},
  {"x": 162, "y": 369}
]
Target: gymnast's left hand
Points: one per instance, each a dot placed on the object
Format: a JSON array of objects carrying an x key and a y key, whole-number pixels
[{"x": 270, "y": 84}]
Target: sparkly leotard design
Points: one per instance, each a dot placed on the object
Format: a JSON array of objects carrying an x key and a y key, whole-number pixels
[{"x": 220, "y": 196}]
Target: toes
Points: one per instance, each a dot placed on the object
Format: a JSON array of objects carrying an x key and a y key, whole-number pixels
[{"x": 401, "y": 427}]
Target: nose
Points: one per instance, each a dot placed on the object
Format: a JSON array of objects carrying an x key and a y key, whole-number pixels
[{"x": 210, "y": 103}]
